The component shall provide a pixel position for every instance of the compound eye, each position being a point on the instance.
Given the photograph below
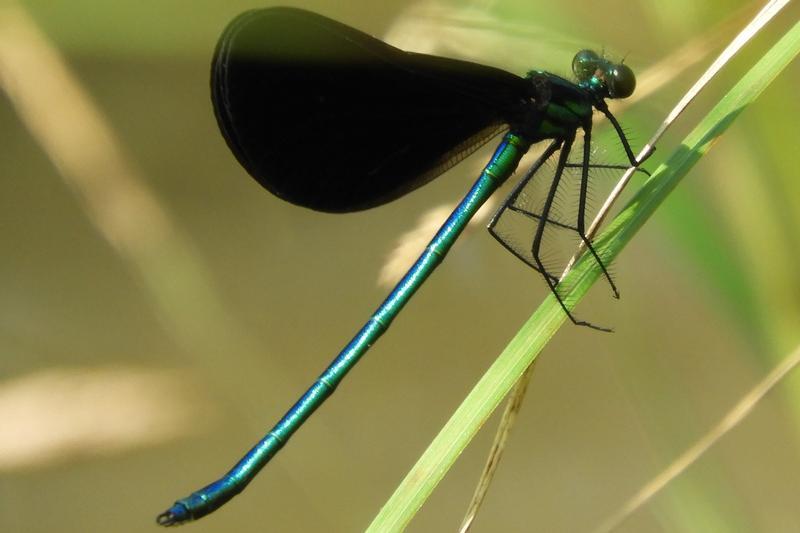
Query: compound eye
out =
(585, 64)
(620, 81)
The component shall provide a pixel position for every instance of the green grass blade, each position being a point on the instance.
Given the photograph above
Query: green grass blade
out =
(542, 325)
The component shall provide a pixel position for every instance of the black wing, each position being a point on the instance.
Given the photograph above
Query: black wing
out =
(327, 117)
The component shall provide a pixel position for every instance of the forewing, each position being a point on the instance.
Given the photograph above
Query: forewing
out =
(327, 117)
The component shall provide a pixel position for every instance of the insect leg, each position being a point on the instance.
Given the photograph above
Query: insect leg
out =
(581, 224)
(537, 240)
(508, 203)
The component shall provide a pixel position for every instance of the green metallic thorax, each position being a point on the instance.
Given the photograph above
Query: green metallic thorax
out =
(564, 107)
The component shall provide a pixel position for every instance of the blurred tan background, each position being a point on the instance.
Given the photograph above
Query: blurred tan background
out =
(160, 310)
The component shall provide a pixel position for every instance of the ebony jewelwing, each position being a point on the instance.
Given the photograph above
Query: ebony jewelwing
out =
(327, 117)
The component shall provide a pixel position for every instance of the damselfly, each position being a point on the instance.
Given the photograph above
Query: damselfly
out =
(327, 117)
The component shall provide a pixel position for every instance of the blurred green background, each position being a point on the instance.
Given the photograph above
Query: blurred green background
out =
(160, 310)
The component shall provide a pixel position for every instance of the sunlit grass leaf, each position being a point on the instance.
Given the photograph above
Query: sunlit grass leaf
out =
(545, 321)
